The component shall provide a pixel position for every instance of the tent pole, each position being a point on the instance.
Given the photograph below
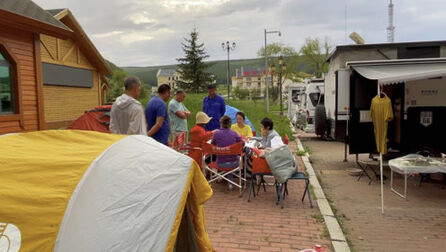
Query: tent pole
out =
(381, 168)
(382, 187)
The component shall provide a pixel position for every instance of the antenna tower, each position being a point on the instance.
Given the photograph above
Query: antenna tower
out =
(390, 28)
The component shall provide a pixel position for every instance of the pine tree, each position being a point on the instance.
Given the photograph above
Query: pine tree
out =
(194, 77)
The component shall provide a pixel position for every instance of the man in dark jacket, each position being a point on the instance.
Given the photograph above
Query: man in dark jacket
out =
(214, 106)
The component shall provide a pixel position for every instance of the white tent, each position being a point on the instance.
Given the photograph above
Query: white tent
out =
(89, 191)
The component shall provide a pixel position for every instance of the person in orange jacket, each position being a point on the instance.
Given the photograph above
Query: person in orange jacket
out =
(198, 136)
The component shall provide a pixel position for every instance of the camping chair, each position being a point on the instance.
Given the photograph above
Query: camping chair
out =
(301, 176)
(180, 141)
(259, 168)
(222, 173)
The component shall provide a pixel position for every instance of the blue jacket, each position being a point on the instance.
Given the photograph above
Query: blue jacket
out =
(214, 108)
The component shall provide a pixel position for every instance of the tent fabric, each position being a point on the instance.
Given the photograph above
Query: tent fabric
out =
(387, 74)
(88, 191)
(96, 119)
(38, 176)
(232, 112)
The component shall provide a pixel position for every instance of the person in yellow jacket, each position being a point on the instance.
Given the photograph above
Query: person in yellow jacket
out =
(243, 129)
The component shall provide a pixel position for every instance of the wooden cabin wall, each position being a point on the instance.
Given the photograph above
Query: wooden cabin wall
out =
(21, 46)
(64, 104)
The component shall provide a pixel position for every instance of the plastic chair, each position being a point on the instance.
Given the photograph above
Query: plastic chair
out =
(222, 173)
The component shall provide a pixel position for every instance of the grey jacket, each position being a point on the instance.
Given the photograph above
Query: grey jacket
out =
(127, 117)
(266, 140)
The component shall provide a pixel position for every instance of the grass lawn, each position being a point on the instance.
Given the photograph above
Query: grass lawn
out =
(254, 110)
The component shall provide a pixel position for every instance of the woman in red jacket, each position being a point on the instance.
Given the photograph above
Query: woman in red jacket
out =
(198, 136)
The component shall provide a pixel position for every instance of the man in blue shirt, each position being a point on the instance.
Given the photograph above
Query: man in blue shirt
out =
(214, 106)
(156, 115)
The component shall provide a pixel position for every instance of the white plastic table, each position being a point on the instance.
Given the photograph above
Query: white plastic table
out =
(412, 164)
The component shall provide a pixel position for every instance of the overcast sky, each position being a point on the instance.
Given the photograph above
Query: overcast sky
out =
(149, 32)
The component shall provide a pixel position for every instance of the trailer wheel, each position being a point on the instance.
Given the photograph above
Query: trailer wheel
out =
(320, 120)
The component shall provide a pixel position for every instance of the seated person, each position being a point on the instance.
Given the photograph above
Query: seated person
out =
(270, 138)
(198, 136)
(225, 137)
(243, 129)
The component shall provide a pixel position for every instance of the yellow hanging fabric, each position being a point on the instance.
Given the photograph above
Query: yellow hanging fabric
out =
(381, 112)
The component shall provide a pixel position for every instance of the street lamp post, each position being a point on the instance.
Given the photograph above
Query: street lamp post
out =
(266, 67)
(228, 47)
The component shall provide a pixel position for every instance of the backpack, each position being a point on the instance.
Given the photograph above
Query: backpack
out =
(281, 163)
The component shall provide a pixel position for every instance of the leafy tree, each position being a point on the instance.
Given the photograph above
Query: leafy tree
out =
(274, 93)
(241, 93)
(316, 52)
(117, 85)
(290, 59)
(192, 68)
(255, 93)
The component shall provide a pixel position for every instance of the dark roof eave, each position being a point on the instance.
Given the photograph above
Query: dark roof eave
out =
(33, 25)
(385, 45)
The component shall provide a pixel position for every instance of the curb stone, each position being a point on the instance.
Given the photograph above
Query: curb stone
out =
(334, 229)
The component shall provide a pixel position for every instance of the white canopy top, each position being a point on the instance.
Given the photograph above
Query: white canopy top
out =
(395, 73)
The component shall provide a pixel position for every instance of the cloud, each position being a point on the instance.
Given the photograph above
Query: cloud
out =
(142, 32)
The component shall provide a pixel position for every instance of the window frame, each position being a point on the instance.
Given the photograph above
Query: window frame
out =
(17, 109)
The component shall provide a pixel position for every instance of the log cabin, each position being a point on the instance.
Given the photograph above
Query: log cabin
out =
(50, 71)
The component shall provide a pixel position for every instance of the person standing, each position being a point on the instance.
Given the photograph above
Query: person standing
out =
(214, 106)
(178, 114)
(127, 115)
(156, 115)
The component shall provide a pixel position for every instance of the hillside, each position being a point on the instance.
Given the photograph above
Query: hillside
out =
(112, 66)
(148, 74)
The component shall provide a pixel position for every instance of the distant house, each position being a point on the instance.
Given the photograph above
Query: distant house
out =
(50, 72)
(168, 76)
(249, 77)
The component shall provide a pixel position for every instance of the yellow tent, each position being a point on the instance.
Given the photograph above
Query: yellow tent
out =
(68, 190)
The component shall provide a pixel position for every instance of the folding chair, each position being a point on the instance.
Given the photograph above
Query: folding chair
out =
(259, 168)
(179, 141)
(301, 176)
(222, 173)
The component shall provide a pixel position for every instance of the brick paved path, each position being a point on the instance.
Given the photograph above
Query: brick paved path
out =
(234, 224)
(418, 224)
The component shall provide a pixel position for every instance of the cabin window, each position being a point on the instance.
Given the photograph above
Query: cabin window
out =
(59, 75)
(6, 85)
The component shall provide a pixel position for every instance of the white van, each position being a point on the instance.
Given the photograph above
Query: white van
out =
(314, 95)
(296, 104)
